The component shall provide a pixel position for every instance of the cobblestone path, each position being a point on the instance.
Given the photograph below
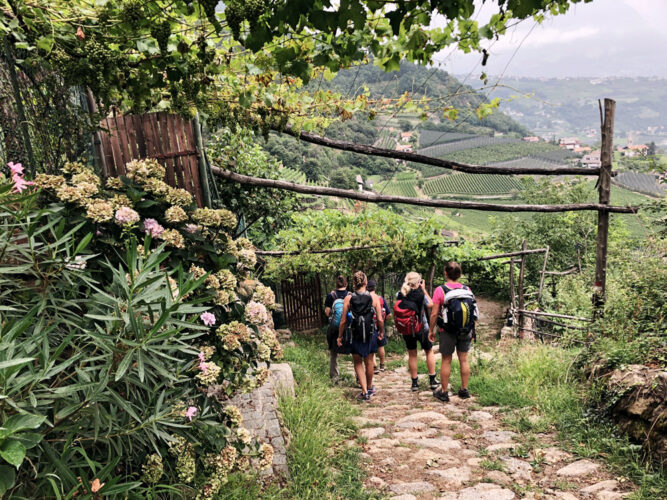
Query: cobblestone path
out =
(417, 447)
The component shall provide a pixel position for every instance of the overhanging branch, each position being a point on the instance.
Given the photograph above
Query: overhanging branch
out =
(378, 198)
(365, 149)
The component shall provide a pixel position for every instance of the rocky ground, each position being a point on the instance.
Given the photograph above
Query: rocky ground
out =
(417, 447)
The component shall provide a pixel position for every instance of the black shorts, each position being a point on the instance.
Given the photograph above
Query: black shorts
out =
(450, 341)
(411, 341)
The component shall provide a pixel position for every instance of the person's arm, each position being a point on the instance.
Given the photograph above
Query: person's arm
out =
(343, 321)
(429, 300)
(380, 321)
(327, 311)
(327, 305)
(435, 311)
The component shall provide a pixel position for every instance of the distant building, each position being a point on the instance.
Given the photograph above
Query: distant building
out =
(406, 148)
(633, 150)
(582, 149)
(569, 143)
(591, 160)
(531, 138)
(360, 182)
(405, 136)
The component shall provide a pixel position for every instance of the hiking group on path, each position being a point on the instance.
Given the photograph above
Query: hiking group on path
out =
(357, 327)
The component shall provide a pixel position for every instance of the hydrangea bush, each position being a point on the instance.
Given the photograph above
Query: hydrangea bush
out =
(165, 322)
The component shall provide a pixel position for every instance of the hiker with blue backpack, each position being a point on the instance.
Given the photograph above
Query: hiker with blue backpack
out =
(333, 309)
(411, 321)
(454, 314)
(361, 326)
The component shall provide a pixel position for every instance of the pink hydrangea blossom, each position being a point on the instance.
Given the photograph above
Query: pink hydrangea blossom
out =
(152, 227)
(191, 412)
(125, 215)
(192, 228)
(208, 318)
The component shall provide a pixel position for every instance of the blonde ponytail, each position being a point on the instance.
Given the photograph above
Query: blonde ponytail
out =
(411, 279)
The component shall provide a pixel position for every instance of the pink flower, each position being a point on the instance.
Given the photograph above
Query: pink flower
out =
(20, 183)
(208, 318)
(202, 362)
(125, 215)
(191, 412)
(152, 227)
(192, 228)
(16, 168)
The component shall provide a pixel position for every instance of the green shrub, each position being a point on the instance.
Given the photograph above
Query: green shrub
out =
(110, 382)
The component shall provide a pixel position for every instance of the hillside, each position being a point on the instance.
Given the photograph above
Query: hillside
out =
(319, 163)
(568, 106)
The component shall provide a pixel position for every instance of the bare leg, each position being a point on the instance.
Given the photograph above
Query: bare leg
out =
(445, 370)
(430, 361)
(359, 370)
(369, 361)
(381, 354)
(412, 362)
(465, 368)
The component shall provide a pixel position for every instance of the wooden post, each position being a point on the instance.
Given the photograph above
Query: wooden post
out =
(512, 294)
(20, 110)
(604, 189)
(522, 271)
(203, 166)
(544, 269)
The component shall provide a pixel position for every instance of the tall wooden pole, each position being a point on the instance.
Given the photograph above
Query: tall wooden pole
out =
(203, 165)
(544, 270)
(604, 189)
(522, 303)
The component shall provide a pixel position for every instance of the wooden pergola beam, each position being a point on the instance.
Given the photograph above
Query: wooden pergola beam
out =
(366, 149)
(513, 254)
(379, 198)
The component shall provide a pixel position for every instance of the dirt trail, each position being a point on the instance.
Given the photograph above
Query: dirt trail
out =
(417, 447)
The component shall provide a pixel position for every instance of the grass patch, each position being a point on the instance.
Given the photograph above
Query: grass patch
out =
(492, 465)
(534, 376)
(321, 465)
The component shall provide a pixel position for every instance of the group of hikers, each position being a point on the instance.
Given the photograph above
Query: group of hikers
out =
(357, 326)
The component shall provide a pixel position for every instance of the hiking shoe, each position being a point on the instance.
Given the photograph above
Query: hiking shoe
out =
(372, 391)
(376, 370)
(433, 383)
(363, 397)
(382, 368)
(464, 393)
(415, 385)
(442, 396)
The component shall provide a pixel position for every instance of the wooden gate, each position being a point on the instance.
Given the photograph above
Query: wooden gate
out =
(302, 300)
(168, 138)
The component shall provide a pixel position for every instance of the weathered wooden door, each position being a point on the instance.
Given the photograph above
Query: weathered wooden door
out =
(302, 300)
(167, 138)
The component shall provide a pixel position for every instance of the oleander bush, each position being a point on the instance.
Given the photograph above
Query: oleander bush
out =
(128, 318)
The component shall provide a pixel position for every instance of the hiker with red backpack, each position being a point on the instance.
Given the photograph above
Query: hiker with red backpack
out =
(333, 309)
(386, 311)
(454, 314)
(361, 315)
(410, 319)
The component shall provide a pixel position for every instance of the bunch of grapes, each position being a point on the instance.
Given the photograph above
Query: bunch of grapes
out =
(161, 33)
(132, 13)
(209, 8)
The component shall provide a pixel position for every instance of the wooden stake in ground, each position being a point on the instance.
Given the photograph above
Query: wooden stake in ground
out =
(604, 189)
(544, 268)
(522, 271)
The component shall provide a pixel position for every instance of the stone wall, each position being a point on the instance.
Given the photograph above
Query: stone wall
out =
(639, 406)
(262, 418)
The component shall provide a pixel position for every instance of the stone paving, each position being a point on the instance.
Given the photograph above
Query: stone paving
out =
(415, 447)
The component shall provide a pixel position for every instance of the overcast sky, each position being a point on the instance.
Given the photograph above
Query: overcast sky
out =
(602, 38)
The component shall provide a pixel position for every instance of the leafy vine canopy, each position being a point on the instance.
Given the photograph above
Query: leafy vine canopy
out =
(246, 61)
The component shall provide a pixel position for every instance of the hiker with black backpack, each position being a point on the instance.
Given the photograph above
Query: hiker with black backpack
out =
(371, 287)
(454, 314)
(361, 315)
(333, 309)
(411, 321)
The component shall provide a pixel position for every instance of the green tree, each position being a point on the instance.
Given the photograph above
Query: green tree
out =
(343, 178)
